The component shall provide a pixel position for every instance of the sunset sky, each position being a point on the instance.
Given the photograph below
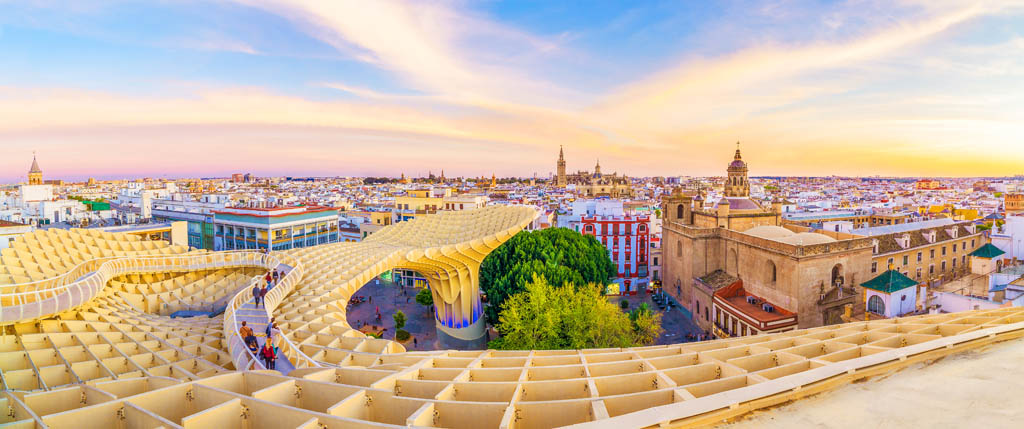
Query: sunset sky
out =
(113, 89)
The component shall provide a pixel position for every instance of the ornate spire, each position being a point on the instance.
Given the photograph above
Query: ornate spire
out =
(35, 165)
(737, 157)
(561, 154)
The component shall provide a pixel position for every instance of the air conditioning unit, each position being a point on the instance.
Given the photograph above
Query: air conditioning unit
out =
(751, 300)
(767, 308)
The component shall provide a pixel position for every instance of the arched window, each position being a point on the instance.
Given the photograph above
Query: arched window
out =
(589, 229)
(679, 211)
(876, 305)
(773, 273)
(837, 274)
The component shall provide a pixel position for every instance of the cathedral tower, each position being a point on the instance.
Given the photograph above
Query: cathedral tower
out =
(737, 185)
(35, 174)
(560, 178)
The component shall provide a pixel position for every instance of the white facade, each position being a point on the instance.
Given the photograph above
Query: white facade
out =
(1010, 238)
(895, 304)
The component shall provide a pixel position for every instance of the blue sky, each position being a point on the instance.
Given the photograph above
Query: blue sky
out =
(652, 88)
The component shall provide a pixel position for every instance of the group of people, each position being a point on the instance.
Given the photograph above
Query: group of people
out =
(260, 293)
(698, 337)
(268, 353)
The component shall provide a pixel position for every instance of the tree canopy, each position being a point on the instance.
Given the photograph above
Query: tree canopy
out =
(545, 317)
(424, 297)
(560, 255)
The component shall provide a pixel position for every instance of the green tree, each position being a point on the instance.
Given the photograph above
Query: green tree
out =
(424, 297)
(560, 255)
(399, 317)
(646, 325)
(546, 317)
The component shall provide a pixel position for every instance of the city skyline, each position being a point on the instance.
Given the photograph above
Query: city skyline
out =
(111, 89)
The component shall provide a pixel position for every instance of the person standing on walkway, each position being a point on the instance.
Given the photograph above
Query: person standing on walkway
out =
(270, 325)
(274, 330)
(277, 276)
(246, 333)
(256, 294)
(268, 355)
(263, 296)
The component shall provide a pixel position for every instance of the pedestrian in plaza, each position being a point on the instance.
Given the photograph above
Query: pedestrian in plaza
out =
(268, 277)
(263, 296)
(256, 294)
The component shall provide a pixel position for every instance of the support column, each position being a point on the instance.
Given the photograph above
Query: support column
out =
(460, 325)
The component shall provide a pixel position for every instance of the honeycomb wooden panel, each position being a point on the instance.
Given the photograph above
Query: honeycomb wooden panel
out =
(117, 360)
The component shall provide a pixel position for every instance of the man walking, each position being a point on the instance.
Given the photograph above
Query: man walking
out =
(256, 294)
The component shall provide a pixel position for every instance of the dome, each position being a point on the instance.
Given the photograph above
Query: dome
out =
(738, 164)
(807, 239)
(770, 232)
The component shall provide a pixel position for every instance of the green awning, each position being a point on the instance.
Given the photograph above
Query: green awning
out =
(889, 282)
(988, 251)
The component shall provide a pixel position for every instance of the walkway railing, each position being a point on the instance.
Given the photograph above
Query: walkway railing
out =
(35, 300)
(26, 302)
(244, 359)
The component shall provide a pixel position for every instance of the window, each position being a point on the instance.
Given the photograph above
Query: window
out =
(954, 247)
(972, 243)
(943, 266)
(679, 211)
(589, 229)
(889, 264)
(906, 259)
(963, 259)
(932, 254)
(919, 273)
(707, 316)
(655, 261)
(919, 256)
(931, 269)
(876, 305)
(943, 250)
(874, 267)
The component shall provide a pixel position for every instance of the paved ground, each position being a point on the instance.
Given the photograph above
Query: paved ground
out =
(389, 297)
(675, 323)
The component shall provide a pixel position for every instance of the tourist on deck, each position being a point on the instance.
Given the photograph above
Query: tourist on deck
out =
(246, 333)
(257, 294)
(269, 355)
(270, 325)
(273, 330)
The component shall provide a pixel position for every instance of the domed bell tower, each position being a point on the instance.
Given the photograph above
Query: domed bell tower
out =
(737, 185)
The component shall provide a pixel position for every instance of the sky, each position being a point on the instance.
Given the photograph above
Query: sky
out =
(190, 88)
